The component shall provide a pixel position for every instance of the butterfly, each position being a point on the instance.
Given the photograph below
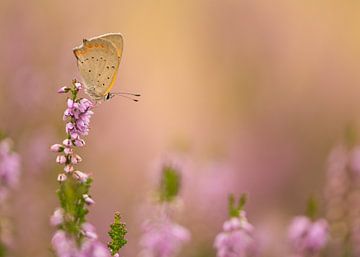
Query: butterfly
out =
(98, 60)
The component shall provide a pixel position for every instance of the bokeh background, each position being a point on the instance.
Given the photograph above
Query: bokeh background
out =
(250, 94)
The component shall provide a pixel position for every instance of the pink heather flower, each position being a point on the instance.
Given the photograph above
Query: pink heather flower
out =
(75, 159)
(306, 236)
(9, 168)
(61, 159)
(79, 142)
(63, 245)
(57, 148)
(88, 199)
(63, 90)
(81, 176)
(68, 150)
(57, 218)
(89, 231)
(78, 85)
(163, 238)
(237, 239)
(67, 142)
(61, 177)
(355, 160)
(81, 114)
(94, 248)
(68, 168)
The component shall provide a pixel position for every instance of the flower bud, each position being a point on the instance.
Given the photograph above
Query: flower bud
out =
(61, 177)
(78, 85)
(88, 200)
(61, 159)
(57, 148)
(58, 217)
(68, 150)
(75, 159)
(81, 176)
(68, 168)
(67, 142)
(63, 90)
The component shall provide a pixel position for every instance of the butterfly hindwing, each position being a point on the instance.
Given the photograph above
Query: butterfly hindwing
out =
(98, 61)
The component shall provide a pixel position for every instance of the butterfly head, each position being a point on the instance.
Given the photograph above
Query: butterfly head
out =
(108, 96)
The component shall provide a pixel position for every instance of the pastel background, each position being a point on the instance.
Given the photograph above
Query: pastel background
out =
(251, 95)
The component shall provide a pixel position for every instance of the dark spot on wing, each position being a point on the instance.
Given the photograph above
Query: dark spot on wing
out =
(89, 70)
(107, 67)
(92, 57)
(99, 74)
(108, 77)
(113, 67)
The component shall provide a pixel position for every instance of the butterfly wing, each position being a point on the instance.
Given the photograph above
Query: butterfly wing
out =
(98, 63)
(117, 40)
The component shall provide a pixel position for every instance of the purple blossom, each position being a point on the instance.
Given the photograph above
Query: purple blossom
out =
(237, 238)
(163, 238)
(57, 218)
(65, 246)
(9, 168)
(306, 236)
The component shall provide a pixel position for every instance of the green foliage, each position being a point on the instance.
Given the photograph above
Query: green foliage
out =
(170, 183)
(234, 210)
(2, 136)
(71, 199)
(117, 234)
(350, 135)
(3, 251)
(312, 207)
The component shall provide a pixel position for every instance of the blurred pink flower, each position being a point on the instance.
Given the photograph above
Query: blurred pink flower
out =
(65, 246)
(306, 236)
(163, 238)
(237, 238)
(9, 168)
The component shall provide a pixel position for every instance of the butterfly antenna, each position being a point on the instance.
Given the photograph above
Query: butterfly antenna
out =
(127, 93)
(128, 97)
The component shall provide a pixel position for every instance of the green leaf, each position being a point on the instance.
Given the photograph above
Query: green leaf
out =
(234, 211)
(312, 207)
(71, 199)
(117, 234)
(170, 183)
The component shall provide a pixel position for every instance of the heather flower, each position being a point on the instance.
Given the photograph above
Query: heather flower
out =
(307, 237)
(342, 191)
(65, 246)
(163, 238)
(75, 237)
(57, 218)
(9, 168)
(237, 238)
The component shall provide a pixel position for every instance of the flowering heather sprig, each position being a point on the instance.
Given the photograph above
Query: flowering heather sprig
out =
(162, 237)
(342, 195)
(74, 237)
(237, 237)
(9, 179)
(9, 168)
(307, 237)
